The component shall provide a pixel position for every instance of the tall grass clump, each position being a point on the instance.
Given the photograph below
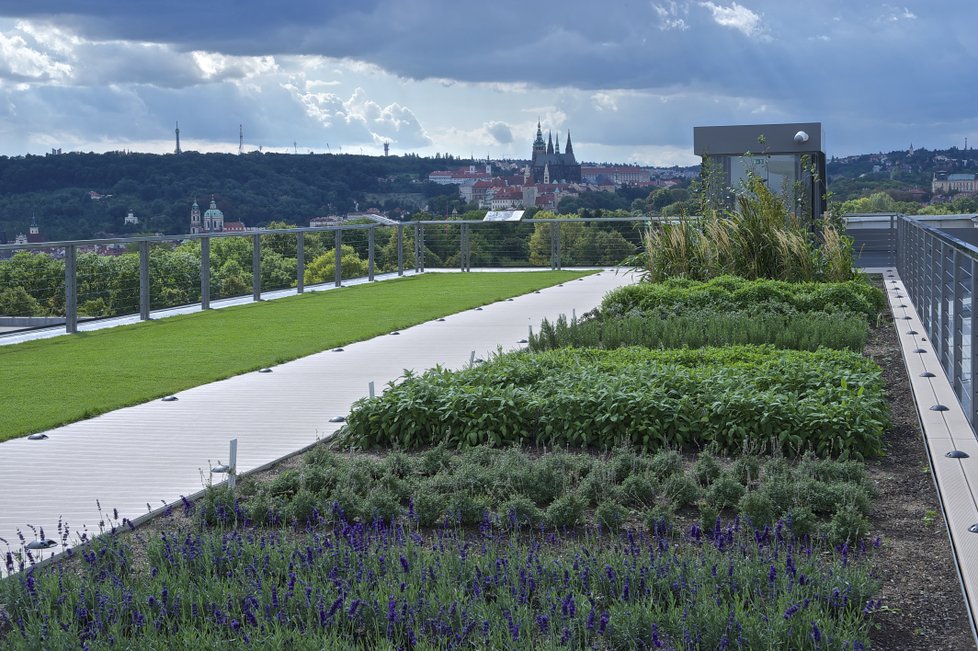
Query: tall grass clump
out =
(762, 238)
(699, 328)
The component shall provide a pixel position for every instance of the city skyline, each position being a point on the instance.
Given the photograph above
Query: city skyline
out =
(631, 79)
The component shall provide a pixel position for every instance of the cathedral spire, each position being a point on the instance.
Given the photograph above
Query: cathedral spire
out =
(557, 144)
(550, 142)
(568, 148)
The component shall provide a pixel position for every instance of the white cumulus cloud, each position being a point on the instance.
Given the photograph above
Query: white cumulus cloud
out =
(736, 16)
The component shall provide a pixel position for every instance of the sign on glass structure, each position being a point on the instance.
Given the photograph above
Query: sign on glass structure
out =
(788, 157)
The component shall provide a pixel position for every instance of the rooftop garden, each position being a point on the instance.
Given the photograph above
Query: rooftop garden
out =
(646, 477)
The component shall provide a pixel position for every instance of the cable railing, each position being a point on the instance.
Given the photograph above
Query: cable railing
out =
(64, 283)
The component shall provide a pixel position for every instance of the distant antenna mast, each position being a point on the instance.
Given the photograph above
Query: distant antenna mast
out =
(328, 149)
(295, 147)
(240, 139)
(387, 148)
(177, 150)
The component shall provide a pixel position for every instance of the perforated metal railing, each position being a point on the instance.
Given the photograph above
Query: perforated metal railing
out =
(60, 283)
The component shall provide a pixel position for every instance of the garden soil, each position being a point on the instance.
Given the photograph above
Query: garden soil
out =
(923, 606)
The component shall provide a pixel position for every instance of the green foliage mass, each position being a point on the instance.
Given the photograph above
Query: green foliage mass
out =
(828, 401)
(706, 327)
(560, 488)
(732, 293)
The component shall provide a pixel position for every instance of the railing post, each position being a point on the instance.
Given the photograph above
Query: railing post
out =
(337, 246)
(370, 253)
(417, 253)
(143, 280)
(468, 249)
(461, 247)
(421, 245)
(558, 245)
(892, 245)
(256, 267)
(400, 249)
(974, 341)
(935, 271)
(71, 290)
(957, 327)
(553, 248)
(205, 273)
(300, 263)
(938, 310)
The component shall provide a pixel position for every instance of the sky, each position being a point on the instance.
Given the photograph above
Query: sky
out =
(627, 79)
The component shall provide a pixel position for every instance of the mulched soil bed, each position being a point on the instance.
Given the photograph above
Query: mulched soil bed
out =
(924, 606)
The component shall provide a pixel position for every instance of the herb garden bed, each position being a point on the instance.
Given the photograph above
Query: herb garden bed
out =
(535, 548)
(735, 397)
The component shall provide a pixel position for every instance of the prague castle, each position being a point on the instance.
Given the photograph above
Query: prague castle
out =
(549, 165)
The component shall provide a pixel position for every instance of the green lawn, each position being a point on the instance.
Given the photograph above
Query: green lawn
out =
(55, 381)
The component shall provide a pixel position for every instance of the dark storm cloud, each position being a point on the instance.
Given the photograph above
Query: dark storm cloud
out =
(872, 71)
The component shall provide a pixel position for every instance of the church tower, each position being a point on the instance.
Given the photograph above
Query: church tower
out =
(550, 143)
(539, 147)
(568, 148)
(195, 217)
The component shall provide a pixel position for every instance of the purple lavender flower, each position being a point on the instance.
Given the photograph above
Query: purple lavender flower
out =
(543, 622)
(603, 624)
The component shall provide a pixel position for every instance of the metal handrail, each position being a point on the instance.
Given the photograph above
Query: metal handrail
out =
(142, 244)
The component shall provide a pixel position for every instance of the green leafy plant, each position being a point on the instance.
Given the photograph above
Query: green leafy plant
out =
(738, 397)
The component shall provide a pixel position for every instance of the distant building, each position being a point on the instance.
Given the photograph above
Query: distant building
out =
(462, 176)
(944, 183)
(235, 227)
(616, 174)
(549, 165)
(212, 222)
(34, 235)
(130, 219)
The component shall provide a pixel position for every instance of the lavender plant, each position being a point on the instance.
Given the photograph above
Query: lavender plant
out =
(380, 586)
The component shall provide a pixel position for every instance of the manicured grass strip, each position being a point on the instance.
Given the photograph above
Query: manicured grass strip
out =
(377, 587)
(705, 327)
(727, 293)
(831, 402)
(55, 381)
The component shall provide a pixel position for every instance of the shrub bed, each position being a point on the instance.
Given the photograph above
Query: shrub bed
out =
(732, 293)
(706, 327)
(380, 586)
(559, 489)
(831, 402)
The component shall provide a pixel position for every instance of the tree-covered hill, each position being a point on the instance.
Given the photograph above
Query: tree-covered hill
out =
(253, 188)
